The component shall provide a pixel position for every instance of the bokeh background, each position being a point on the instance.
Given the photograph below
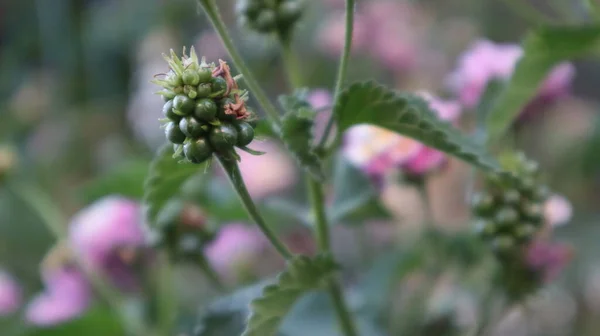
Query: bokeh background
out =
(77, 109)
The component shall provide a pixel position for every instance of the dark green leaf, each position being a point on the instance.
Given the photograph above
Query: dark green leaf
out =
(94, 323)
(165, 179)
(302, 275)
(297, 134)
(355, 199)
(543, 49)
(126, 180)
(411, 116)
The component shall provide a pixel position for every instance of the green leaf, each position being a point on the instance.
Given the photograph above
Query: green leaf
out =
(297, 133)
(94, 323)
(126, 180)
(411, 116)
(165, 179)
(543, 49)
(303, 274)
(354, 198)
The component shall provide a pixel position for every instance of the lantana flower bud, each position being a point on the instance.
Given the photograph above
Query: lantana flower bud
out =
(265, 16)
(205, 110)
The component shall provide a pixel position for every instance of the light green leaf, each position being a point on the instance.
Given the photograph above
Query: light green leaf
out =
(302, 275)
(543, 49)
(297, 133)
(411, 116)
(354, 198)
(165, 179)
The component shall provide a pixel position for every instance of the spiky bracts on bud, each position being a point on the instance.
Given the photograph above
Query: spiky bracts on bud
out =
(510, 215)
(205, 110)
(270, 16)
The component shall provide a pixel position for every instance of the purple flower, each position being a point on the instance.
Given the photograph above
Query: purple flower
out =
(548, 258)
(66, 297)
(10, 294)
(557, 210)
(486, 61)
(108, 235)
(236, 245)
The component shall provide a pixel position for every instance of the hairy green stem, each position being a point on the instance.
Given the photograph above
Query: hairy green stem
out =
(343, 67)
(235, 176)
(41, 204)
(212, 11)
(341, 308)
(211, 274)
(317, 201)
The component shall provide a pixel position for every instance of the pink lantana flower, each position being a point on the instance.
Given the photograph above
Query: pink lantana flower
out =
(486, 61)
(557, 211)
(236, 245)
(67, 296)
(548, 258)
(10, 294)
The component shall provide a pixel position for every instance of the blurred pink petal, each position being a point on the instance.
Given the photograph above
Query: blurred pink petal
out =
(320, 99)
(548, 258)
(557, 210)
(269, 173)
(426, 161)
(10, 294)
(66, 297)
(558, 82)
(97, 231)
(235, 244)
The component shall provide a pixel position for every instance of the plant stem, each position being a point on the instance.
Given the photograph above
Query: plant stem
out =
(339, 303)
(212, 11)
(317, 201)
(41, 204)
(233, 172)
(290, 62)
(211, 274)
(343, 66)
(428, 221)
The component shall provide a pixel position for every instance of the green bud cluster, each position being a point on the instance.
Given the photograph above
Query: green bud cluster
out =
(205, 112)
(510, 211)
(183, 230)
(270, 16)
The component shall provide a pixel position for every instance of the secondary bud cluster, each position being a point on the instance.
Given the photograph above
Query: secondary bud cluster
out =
(182, 229)
(270, 16)
(205, 111)
(511, 211)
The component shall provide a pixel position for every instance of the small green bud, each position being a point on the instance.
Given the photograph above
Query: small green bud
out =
(205, 76)
(248, 7)
(168, 112)
(223, 137)
(290, 11)
(525, 232)
(174, 79)
(192, 128)
(503, 244)
(534, 212)
(245, 134)
(219, 85)
(191, 77)
(203, 90)
(483, 203)
(190, 91)
(183, 105)
(205, 109)
(197, 151)
(221, 110)
(512, 197)
(507, 217)
(174, 134)
(265, 21)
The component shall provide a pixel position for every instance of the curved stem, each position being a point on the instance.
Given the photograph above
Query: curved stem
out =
(42, 205)
(212, 11)
(317, 201)
(233, 172)
(343, 66)
(346, 322)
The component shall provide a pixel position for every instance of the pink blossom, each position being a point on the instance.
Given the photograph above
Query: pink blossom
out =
(98, 231)
(557, 210)
(332, 35)
(548, 258)
(236, 244)
(486, 61)
(269, 173)
(10, 294)
(320, 99)
(66, 297)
